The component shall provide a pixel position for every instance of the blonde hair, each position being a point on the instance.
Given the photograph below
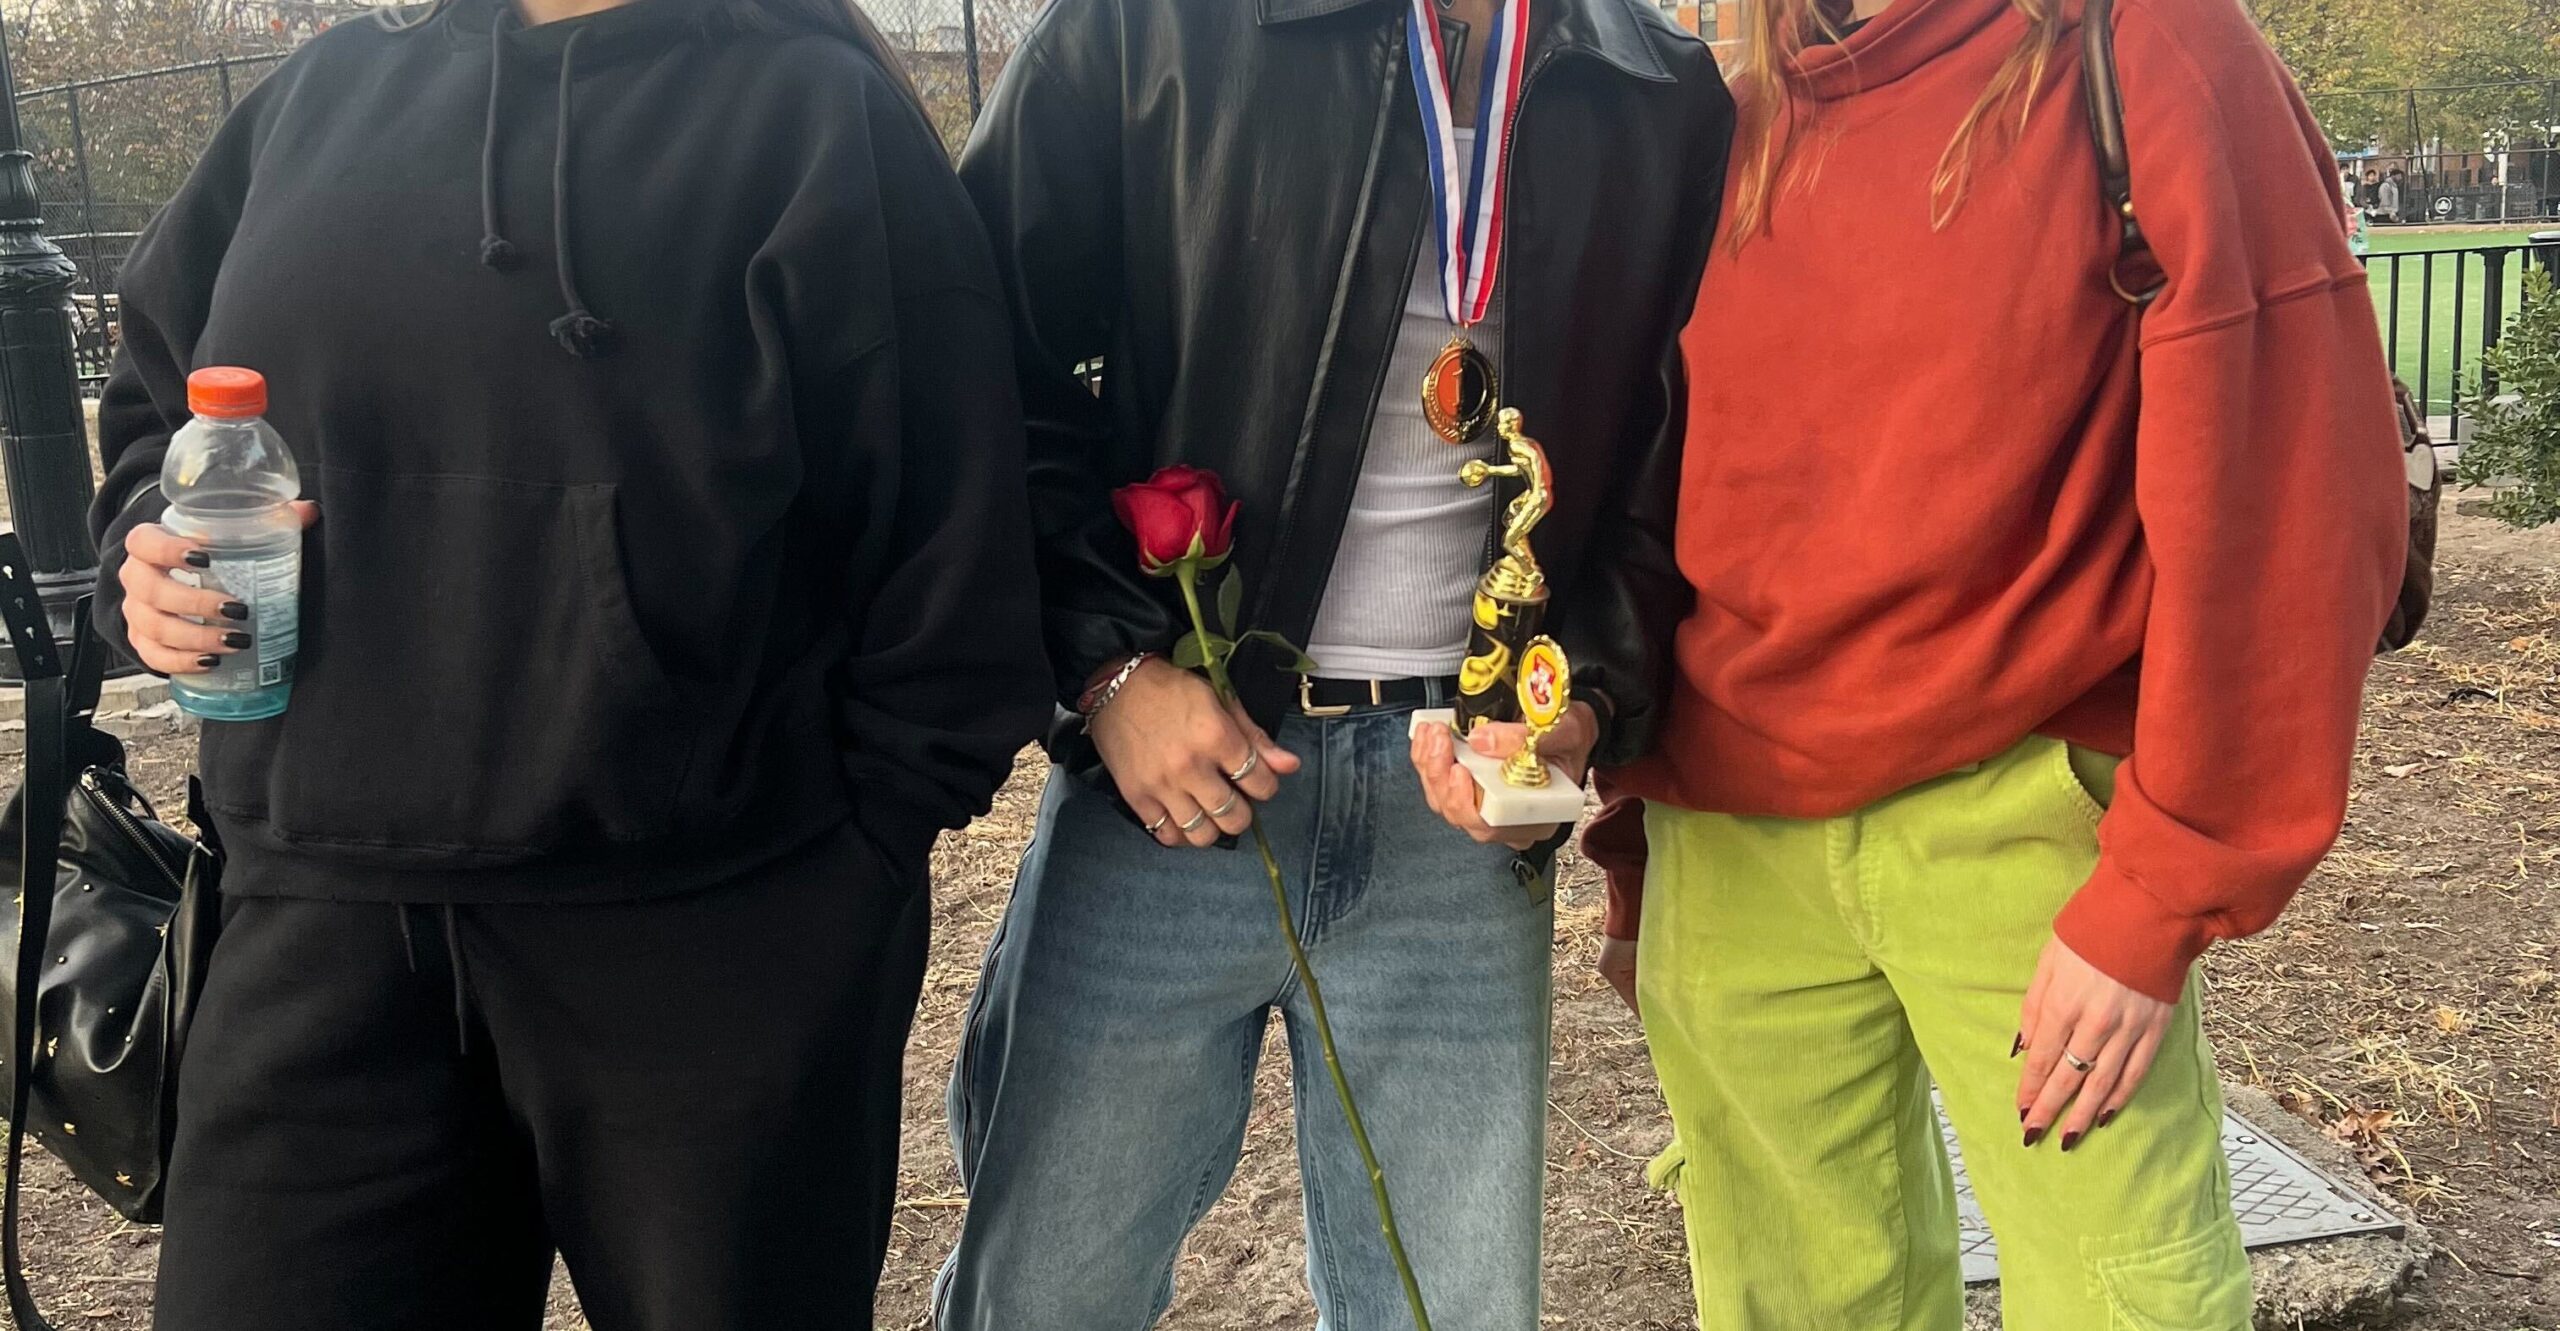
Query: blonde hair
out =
(1773, 113)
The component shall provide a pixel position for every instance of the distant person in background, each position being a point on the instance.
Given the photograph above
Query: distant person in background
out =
(2369, 197)
(2387, 199)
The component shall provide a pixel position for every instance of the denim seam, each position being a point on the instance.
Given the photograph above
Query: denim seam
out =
(1319, 1234)
(1204, 1194)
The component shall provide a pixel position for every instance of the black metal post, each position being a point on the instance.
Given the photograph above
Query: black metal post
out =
(969, 46)
(2493, 315)
(44, 443)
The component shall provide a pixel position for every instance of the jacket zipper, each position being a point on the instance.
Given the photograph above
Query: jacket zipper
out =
(1287, 529)
(96, 793)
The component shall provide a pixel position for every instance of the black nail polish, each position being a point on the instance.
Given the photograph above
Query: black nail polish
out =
(234, 610)
(208, 662)
(199, 559)
(2069, 1140)
(235, 640)
(2106, 1118)
(2034, 1135)
(2022, 1115)
(2016, 1044)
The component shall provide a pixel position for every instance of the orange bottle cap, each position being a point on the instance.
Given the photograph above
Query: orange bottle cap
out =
(227, 390)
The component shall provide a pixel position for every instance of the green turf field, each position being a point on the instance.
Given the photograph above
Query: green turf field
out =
(2429, 301)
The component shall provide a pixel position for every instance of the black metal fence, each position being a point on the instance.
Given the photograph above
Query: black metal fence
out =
(2441, 308)
(107, 153)
(2477, 152)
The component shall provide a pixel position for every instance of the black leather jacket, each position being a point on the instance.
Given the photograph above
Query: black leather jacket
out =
(1222, 201)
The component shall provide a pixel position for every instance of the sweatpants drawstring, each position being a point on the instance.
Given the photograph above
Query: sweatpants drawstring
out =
(453, 963)
(408, 940)
(461, 1006)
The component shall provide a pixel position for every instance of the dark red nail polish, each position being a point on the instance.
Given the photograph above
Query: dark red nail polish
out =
(2106, 1118)
(235, 641)
(199, 559)
(208, 662)
(2034, 1135)
(2016, 1044)
(2022, 1115)
(2069, 1140)
(234, 610)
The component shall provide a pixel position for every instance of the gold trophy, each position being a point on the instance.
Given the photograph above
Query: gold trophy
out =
(1513, 672)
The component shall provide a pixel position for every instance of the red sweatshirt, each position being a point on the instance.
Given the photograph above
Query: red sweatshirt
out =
(1941, 492)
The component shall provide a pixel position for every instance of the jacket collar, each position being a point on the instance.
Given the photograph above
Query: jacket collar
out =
(1610, 30)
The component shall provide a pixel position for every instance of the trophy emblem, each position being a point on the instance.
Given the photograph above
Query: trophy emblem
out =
(1513, 672)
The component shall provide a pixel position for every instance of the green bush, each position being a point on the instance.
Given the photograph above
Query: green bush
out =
(2516, 445)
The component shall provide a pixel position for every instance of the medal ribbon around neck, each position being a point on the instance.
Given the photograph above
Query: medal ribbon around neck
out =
(1458, 393)
(1467, 210)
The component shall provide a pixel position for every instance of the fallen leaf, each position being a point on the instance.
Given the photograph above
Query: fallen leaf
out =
(2402, 769)
(2451, 1022)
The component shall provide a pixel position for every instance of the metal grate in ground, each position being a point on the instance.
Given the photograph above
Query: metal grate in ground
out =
(2280, 1198)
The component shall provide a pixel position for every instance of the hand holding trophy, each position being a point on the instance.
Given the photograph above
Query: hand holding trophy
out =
(1513, 672)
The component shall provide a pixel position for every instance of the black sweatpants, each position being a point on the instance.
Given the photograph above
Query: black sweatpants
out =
(694, 1100)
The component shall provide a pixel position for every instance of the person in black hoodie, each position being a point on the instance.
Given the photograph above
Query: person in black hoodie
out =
(671, 588)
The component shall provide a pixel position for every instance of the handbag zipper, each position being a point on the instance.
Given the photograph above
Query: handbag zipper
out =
(96, 791)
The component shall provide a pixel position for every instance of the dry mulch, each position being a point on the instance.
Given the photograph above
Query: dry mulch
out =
(2408, 1003)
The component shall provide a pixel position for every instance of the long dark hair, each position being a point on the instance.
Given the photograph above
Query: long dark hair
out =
(836, 18)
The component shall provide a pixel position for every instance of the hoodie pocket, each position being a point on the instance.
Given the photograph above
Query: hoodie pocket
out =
(473, 682)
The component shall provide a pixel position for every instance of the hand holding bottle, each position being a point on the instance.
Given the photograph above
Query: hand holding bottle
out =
(176, 629)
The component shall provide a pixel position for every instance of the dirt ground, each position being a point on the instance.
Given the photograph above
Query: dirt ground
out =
(2409, 1003)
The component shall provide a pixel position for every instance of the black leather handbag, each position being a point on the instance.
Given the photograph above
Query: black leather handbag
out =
(115, 921)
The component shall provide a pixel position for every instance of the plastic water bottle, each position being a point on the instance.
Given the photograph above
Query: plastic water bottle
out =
(230, 485)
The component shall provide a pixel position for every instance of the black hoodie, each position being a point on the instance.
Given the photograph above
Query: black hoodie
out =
(652, 377)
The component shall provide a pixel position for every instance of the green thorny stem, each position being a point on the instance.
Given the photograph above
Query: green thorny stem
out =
(1188, 573)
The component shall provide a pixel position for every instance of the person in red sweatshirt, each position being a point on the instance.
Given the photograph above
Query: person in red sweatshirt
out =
(2025, 663)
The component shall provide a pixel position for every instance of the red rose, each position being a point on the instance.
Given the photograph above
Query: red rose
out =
(1179, 513)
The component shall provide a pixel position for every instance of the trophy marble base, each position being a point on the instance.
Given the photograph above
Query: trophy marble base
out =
(1504, 804)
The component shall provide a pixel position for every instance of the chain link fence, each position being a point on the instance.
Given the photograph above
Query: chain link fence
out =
(109, 151)
(2482, 152)
(954, 49)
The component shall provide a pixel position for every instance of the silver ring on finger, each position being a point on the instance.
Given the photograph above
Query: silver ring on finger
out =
(1158, 824)
(1229, 807)
(1252, 764)
(1192, 822)
(2078, 1064)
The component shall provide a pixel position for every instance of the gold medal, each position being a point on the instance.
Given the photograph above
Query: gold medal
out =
(1458, 392)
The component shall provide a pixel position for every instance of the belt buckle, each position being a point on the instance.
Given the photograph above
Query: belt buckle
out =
(1307, 700)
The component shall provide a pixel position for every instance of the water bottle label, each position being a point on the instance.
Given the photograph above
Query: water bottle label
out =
(268, 586)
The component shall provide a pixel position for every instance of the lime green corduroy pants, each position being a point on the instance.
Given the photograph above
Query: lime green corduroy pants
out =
(1804, 981)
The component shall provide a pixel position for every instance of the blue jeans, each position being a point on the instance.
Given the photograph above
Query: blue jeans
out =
(1107, 1069)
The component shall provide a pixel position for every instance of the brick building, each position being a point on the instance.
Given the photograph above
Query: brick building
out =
(1719, 21)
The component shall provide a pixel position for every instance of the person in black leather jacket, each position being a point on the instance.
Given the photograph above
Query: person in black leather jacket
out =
(1228, 207)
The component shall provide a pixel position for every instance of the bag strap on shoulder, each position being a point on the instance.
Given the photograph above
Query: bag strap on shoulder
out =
(2135, 275)
(49, 707)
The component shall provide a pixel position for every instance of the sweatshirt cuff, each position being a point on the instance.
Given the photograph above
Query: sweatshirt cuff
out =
(106, 605)
(1615, 842)
(2118, 926)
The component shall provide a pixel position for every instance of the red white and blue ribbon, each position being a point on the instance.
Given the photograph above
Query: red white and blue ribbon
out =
(1468, 221)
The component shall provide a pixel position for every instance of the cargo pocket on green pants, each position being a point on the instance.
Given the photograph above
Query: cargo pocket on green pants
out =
(2197, 1283)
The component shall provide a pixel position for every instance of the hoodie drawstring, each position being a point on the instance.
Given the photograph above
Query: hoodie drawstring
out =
(579, 331)
(496, 251)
